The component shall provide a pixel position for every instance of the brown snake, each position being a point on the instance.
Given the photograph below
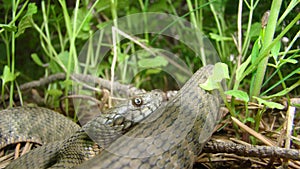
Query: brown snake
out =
(168, 136)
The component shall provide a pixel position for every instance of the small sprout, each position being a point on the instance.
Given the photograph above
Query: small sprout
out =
(272, 105)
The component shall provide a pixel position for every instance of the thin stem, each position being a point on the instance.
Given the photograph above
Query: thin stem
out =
(192, 14)
(288, 10)
(270, 30)
(11, 92)
(239, 26)
(198, 26)
(221, 49)
(247, 35)
(86, 17)
(45, 18)
(115, 42)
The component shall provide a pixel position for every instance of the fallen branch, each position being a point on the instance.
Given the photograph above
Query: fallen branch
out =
(126, 89)
(251, 151)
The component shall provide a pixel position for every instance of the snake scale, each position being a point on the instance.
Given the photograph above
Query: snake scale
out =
(142, 133)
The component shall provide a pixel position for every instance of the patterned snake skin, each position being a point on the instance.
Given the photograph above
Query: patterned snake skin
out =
(146, 135)
(68, 144)
(172, 136)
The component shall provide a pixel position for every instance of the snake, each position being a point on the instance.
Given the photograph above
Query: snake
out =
(144, 132)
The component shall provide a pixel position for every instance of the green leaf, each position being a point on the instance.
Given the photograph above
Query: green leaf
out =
(220, 72)
(238, 94)
(285, 91)
(8, 76)
(153, 71)
(255, 29)
(219, 38)
(272, 105)
(289, 60)
(122, 57)
(64, 58)
(209, 85)
(25, 22)
(23, 25)
(32, 9)
(54, 67)
(250, 119)
(255, 50)
(275, 50)
(281, 93)
(37, 60)
(240, 70)
(86, 27)
(67, 82)
(157, 61)
(55, 92)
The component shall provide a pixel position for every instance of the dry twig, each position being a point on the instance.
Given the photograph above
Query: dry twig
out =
(251, 151)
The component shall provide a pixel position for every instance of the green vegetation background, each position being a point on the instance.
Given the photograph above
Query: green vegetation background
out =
(256, 40)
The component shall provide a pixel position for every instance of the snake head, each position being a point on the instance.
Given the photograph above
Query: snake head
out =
(141, 106)
(132, 111)
(108, 126)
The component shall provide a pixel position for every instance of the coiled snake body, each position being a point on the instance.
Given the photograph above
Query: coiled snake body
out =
(137, 134)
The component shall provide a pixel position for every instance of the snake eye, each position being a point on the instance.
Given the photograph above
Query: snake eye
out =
(137, 101)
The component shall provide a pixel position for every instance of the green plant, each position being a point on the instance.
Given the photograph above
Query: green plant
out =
(9, 35)
(256, 46)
